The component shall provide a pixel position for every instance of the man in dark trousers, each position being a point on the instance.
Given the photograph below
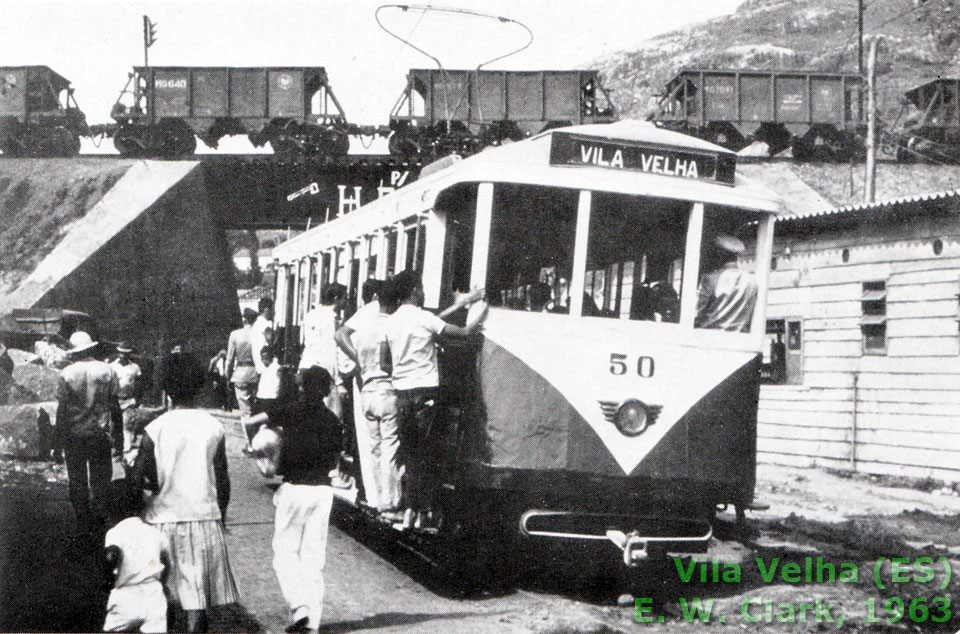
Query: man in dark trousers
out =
(88, 419)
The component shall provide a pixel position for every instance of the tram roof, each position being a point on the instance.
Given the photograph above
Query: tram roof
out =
(529, 162)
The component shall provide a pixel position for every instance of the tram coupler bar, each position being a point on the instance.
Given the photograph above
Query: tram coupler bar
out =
(621, 530)
(635, 546)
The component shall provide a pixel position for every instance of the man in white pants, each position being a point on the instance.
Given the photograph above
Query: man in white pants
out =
(364, 340)
(310, 446)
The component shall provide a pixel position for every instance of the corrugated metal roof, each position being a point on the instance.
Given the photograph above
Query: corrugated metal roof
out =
(916, 198)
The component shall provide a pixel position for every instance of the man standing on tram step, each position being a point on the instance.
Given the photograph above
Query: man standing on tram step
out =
(88, 419)
(261, 332)
(241, 368)
(412, 336)
(309, 449)
(319, 347)
(727, 294)
(363, 339)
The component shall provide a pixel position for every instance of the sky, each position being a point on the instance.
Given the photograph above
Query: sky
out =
(95, 43)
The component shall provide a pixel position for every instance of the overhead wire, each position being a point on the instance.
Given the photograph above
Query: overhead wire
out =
(447, 78)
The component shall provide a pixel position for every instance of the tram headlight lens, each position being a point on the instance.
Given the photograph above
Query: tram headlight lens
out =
(631, 418)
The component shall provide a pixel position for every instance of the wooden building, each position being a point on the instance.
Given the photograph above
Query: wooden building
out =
(863, 317)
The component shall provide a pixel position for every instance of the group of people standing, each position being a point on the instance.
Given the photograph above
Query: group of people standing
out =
(390, 347)
(168, 556)
(394, 342)
(168, 552)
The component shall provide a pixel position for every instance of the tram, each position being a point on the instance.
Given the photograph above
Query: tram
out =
(591, 407)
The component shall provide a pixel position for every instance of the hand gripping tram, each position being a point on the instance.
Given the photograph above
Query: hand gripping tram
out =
(592, 407)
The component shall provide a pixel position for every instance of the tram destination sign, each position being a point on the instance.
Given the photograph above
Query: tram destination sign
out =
(583, 151)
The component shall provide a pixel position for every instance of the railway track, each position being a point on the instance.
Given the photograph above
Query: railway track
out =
(384, 159)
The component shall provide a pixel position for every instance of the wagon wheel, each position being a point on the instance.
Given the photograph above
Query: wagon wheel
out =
(286, 146)
(821, 143)
(127, 142)
(327, 142)
(339, 142)
(45, 144)
(11, 147)
(802, 150)
(172, 141)
(402, 143)
(725, 135)
(65, 142)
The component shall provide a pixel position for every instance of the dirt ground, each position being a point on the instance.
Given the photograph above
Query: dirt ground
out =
(376, 586)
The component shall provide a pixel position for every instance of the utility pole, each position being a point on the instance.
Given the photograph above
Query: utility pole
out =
(870, 176)
(860, 36)
(149, 37)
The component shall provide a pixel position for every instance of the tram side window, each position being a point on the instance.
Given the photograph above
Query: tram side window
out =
(458, 207)
(416, 247)
(635, 258)
(532, 236)
(727, 290)
(391, 253)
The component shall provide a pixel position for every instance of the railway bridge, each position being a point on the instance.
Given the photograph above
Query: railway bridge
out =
(141, 245)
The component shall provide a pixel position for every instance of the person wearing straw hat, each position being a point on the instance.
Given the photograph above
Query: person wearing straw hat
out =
(129, 377)
(727, 294)
(88, 417)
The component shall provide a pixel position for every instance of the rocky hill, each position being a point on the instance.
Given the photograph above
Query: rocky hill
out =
(922, 42)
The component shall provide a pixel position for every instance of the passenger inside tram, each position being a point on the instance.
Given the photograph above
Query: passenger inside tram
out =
(727, 294)
(539, 297)
(635, 257)
(524, 264)
(727, 289)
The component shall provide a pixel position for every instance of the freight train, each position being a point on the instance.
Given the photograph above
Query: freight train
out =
(458, 111)
(38, 113)
(293, 109)
(820, 116)
(163, 110)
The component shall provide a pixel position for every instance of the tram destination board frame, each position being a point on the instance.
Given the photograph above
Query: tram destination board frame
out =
(573, 150)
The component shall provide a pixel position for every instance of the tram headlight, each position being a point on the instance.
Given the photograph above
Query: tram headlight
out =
(631, 418)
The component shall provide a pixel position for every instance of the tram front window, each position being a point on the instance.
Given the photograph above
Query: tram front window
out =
(727, 291)
(532, 235)
(635, 258)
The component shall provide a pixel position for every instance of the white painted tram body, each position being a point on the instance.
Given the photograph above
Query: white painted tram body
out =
(605, 414)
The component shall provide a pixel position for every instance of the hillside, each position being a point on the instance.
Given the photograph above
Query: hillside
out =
(921, 36)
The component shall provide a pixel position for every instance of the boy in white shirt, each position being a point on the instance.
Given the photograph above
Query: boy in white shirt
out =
(133, 555)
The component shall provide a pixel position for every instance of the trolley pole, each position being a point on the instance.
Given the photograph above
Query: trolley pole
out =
(870, 176)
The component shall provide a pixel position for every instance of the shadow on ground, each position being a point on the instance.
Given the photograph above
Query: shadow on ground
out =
(48, 576)
(391, 619)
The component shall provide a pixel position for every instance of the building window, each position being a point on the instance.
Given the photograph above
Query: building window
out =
(873, 323)
(783, 355)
